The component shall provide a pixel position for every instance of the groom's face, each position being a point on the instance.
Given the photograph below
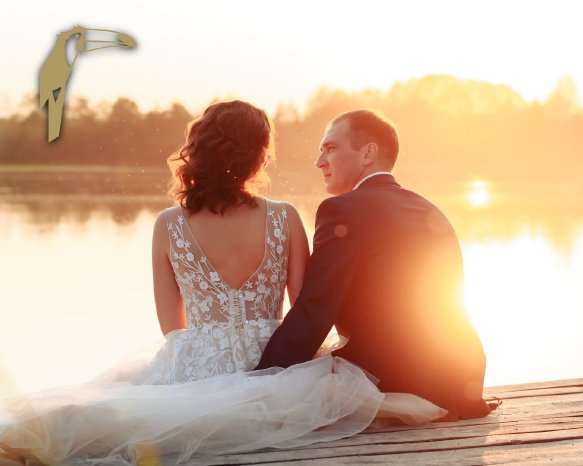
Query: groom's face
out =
(340, 163)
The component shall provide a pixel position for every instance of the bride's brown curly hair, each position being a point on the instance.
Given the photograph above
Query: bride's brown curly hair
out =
(224, 154)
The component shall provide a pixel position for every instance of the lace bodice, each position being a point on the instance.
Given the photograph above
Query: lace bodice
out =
(207, 297)
(227, 328)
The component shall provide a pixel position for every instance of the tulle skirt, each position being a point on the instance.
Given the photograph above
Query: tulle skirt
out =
(123, 424)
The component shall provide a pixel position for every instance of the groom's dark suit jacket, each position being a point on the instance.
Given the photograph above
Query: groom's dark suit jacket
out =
(386, 269)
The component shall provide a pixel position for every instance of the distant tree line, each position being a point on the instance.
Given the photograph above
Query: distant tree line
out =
(449, 128)
(116, 135)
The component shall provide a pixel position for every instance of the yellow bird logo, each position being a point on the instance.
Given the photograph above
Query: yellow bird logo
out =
(56, 70)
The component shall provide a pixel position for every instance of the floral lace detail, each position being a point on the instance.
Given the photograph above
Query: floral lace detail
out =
(227, 328)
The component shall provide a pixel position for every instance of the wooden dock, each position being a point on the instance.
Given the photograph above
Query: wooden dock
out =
(539, 423)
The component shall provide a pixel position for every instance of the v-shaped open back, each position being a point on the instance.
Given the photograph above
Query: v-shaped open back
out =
(202, 253)
(207, 298)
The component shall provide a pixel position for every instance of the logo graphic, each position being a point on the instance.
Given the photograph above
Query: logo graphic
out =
(56, 70)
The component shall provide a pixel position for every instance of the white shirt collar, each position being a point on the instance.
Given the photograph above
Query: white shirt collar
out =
(370, 176)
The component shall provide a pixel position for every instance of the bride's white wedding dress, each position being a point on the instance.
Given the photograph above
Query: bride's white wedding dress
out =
(197, 396)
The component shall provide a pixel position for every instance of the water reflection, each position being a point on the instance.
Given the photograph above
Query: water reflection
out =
(525, 299)
(479, 209)
(53, 194)
(76, 293)
(74, 300)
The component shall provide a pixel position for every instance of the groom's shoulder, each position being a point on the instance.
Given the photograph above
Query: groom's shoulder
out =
(341, 205)
(353, 199)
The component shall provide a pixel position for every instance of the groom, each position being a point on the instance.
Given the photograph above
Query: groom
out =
(386, 269)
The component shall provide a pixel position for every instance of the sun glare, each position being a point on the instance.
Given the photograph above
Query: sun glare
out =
(519, 295)
(479, 194)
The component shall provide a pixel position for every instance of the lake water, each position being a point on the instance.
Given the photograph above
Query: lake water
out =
(76, 289)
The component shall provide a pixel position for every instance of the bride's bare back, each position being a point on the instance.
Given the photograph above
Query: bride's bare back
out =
(233, 242)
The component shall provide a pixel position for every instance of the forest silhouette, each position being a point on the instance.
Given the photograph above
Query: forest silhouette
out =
(448, 128)
(451, 131)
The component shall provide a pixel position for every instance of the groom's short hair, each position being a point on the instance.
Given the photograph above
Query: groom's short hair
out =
(368, 126)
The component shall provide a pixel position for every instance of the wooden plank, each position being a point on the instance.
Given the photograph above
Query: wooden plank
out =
(421, 435)
(509, 417)
(387, 448)
(531, 392)
(535, 386)
(536, 424)
(443, 430)
(563, 453)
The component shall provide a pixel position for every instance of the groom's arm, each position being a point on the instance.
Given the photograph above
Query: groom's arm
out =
(329, 275)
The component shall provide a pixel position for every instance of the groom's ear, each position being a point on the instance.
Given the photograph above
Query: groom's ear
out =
(370, 154)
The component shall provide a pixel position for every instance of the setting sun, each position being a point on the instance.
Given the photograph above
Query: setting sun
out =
(479, 194)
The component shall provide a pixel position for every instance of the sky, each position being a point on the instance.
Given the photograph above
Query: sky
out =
(272, 52)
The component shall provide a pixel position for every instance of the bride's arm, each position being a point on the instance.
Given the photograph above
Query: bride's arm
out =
(169, 306)
(299, 253)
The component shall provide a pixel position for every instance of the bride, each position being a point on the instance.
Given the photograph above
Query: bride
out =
(223, 258)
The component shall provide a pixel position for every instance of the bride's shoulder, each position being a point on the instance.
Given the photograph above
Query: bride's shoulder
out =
(163, 221)
(289, 211)
(292, 222)
(163, 217)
